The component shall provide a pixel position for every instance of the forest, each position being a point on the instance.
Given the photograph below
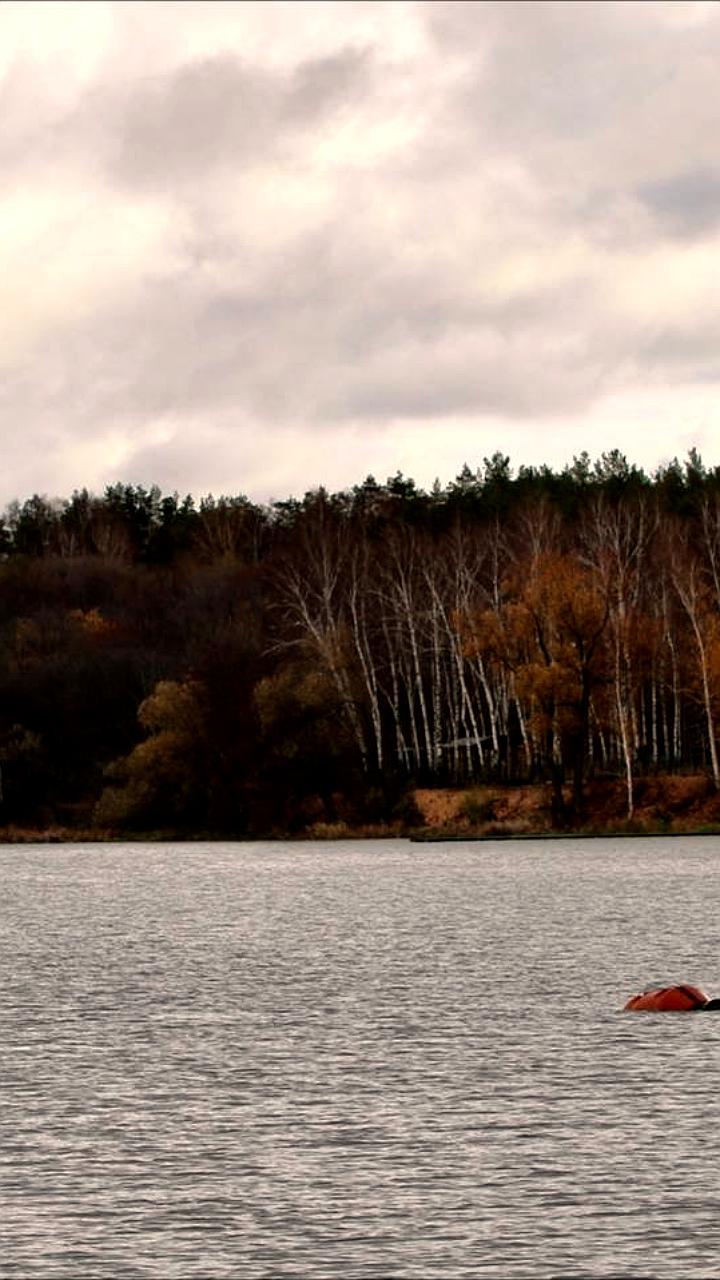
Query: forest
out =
(223, 667)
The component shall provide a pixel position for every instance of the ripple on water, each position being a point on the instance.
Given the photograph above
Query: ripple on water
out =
(367, 1060)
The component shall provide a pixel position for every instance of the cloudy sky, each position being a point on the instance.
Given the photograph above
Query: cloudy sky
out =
(255, 247)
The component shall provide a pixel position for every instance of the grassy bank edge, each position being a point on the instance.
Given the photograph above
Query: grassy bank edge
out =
(667, 805)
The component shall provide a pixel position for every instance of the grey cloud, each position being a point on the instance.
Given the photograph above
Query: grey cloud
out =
(177, 127)
(185, 123)
(690, 347)
(377, 307)
(686, 204)
(221, 112)
(332, 333)
(593, 94)
(537, 67)
(223, 459)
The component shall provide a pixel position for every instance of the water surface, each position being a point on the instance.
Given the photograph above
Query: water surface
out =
(357, 1060)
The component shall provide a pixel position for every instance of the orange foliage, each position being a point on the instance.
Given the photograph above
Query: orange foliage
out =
(92, 623)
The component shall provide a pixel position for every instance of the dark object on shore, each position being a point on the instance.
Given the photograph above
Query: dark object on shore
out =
(680, 999)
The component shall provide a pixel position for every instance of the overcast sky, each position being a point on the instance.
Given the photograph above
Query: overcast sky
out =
(257, 247)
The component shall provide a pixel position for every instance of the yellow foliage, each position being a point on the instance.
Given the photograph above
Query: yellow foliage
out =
(92, 622)
(172, 705)
(552, 611)
(292, 687)
(166, 764)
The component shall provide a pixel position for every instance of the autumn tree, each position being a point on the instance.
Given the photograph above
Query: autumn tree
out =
(163, 781)
(510, 625)
(694, 589)
(614, 541)
(548, 634)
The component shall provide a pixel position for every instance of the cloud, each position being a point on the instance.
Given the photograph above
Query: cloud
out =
(220, 113)
(687, 204)
(236, 237)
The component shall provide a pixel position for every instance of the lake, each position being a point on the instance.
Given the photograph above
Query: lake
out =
(371, 1059)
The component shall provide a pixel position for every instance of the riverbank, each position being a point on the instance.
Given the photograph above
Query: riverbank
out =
(665, 804)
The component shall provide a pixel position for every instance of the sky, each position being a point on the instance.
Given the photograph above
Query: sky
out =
(259, 247)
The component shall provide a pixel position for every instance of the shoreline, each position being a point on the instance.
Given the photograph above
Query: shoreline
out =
(665, 805)
(441, 838)
(424, 836)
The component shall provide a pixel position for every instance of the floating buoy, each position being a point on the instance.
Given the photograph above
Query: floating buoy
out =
(682, 999)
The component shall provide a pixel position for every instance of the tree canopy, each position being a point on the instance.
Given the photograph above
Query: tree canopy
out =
(223, 665)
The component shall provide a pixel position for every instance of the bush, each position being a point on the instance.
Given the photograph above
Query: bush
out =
(478, 807)
(405, 811)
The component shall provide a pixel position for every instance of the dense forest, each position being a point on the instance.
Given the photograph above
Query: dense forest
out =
(232, 668)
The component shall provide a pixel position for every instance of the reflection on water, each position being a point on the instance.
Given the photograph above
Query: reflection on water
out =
(357, 1060)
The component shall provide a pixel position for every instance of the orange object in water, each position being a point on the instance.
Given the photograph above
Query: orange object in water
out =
(683, 999)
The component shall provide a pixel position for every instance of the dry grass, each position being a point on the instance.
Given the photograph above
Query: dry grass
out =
(342, 831)
(53, 835)
(663, 803)
(440, 808)
(485, 810)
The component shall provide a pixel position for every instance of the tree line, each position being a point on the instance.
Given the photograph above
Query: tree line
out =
(232, 667)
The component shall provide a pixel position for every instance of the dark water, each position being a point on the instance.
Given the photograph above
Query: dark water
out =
(357, 1060)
